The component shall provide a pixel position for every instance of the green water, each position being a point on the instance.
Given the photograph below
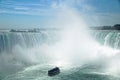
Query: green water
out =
(39, 72)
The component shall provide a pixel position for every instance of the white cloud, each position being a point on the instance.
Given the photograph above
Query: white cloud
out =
(87, 8)
(28, 9)
(21, 8)
(54, 5)
(2, 11)
(41, 12)
(102, 19)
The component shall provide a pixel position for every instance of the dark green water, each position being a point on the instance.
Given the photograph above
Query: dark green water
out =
(39, 72)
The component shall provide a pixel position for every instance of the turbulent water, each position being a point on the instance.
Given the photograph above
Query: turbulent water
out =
(109, 38)
(28, 56)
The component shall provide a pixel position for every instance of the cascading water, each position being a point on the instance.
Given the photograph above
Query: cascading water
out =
(10, 39)
(28, 56)
(20, 49)
(109, 38)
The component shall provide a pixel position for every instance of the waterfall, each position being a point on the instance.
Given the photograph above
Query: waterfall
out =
(21, 49)
(109, 38)
(9, 39)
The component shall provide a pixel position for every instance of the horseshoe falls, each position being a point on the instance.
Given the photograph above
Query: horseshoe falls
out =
(79, 52)
(29, 55)
(108, 38)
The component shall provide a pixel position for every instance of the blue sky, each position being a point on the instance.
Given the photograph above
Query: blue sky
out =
(40, 13)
